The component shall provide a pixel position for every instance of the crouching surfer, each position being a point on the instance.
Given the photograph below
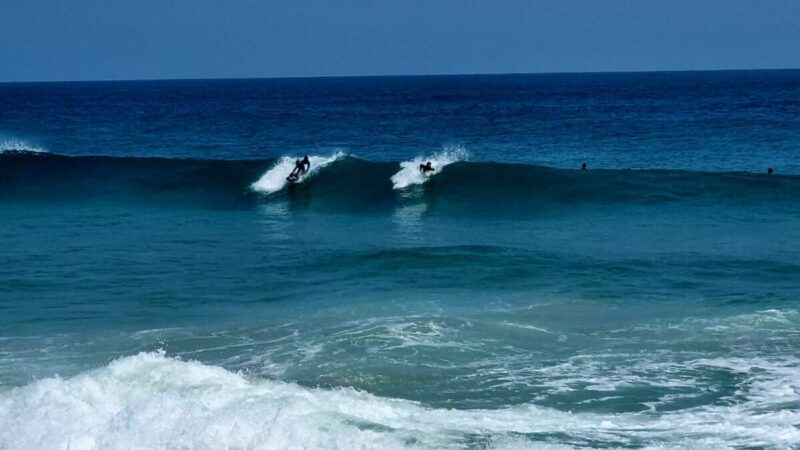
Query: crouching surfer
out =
(425, 168)
(301, 166)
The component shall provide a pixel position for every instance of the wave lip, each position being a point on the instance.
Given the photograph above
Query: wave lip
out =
(274, 179)
(410, 174)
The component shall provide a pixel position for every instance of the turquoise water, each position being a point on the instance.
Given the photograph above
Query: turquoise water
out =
(155, 293)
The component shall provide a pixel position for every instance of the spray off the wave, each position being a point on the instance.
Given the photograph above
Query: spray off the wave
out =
(410, 174)
(18, 146)
(275, 178)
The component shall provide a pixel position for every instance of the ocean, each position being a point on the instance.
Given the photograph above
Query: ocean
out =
(162, 286)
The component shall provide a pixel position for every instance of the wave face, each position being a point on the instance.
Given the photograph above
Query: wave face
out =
(342, 183)
(152, 401)
(49, 177)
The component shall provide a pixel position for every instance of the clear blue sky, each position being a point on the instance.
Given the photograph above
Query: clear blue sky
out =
(134, 39)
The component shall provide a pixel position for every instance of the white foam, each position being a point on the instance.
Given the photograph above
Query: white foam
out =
(14, 145)
(526, 327)
(151, 401)
(770, 381)
(274, 179)
(410, 174)
(767, 321)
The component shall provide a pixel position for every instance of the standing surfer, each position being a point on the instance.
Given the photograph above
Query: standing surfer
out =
(301, 166)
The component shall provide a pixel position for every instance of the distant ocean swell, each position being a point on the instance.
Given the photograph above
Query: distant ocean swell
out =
(346, 183)
(152, 401)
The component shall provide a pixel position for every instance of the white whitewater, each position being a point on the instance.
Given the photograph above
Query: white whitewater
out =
(14, 145)
(274, 179)
(151, 401)
(410, 174)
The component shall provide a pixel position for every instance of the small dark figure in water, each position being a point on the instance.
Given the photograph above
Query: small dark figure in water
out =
(301, 166)
(584, 166)
(425, 168)
(769, 171)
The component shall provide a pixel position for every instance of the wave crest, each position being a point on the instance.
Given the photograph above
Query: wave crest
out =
(18, 146)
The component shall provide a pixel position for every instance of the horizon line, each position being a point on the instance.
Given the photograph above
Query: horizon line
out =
(420, 75)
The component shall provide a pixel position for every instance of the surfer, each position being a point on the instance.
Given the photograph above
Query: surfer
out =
(584, 166)
(425, 168)
(301, 166)
(770, 171)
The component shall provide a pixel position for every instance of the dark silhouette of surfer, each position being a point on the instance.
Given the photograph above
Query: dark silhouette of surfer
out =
(425, 168)
(301, 166)
(770, 171)
(584, 166)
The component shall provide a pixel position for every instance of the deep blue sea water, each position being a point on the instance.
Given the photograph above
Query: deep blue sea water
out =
(163, 286)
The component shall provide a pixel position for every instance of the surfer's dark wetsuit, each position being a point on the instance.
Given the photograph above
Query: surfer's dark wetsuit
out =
(301, 166)
(425, 168)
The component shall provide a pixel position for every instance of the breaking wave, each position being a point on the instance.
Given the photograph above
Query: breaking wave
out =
(150, 400)
(346, 183)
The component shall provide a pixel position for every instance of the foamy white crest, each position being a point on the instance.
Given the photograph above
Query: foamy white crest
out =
(765, 321)
(14, 145)
(155, 402)
(410, 174)
(274, 179)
